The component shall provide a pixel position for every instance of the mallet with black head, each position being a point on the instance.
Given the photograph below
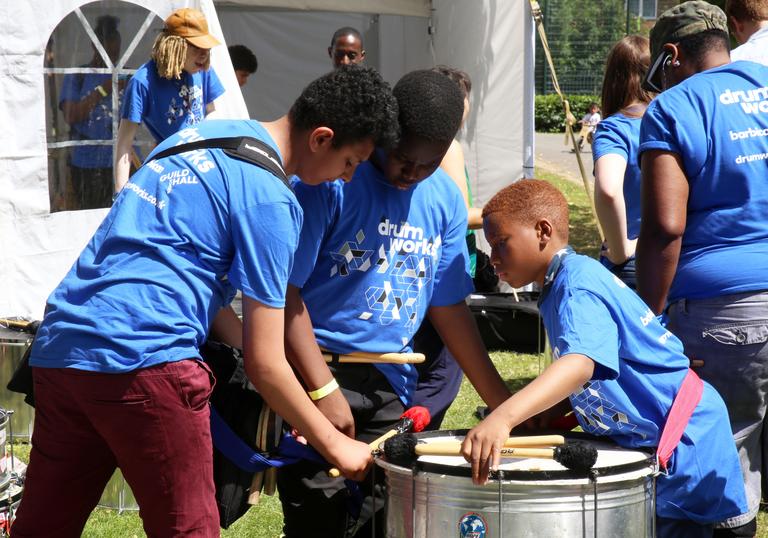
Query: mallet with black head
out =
(403, 450)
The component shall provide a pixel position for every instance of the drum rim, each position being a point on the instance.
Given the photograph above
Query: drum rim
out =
(8, 497)
(542, 474)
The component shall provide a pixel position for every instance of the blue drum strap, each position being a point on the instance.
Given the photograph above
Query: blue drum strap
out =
(238, 452)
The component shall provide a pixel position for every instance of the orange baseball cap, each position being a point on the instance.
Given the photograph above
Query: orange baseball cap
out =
(190, 24)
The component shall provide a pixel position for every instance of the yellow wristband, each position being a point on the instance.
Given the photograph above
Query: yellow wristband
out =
(323, 391)
(101, 90)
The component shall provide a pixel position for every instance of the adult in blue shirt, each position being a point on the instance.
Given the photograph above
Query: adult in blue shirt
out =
(386, 250)
(704, 236)
(175, 89)
(118, 380)
(86, 103)
(614, 151)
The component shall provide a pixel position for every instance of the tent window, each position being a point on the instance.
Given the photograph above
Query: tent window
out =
(89, 58)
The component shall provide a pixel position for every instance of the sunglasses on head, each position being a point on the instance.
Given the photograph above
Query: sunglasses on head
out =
(650, 82)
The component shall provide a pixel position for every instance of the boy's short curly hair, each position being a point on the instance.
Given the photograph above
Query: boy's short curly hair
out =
(352, 100)
(530, 200)
(431, 106)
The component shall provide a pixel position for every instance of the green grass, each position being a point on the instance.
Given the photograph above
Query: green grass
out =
(265, 520)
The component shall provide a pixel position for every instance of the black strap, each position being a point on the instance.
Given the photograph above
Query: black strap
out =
(245, 148)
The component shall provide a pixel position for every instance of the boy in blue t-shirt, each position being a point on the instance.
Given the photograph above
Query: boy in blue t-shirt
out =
(386, 250)
(614, 364)
(118, 380)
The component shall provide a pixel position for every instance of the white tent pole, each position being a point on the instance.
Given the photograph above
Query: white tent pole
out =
(529, 99)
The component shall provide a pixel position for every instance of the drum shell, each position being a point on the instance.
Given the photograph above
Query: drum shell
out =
(529, 508)
(10, 499)
(12, 347)
(5, 460)
(118, 495)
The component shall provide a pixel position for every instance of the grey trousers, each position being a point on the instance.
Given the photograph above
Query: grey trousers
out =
(730, 334)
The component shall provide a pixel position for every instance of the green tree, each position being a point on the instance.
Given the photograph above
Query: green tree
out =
(580, 34)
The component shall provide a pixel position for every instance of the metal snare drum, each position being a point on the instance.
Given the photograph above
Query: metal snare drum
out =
(527, 498)
(9, 504)
(5, 461)
(13, 344)
(118, 495)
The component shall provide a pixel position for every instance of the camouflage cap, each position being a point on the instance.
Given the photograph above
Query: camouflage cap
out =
(678, 22)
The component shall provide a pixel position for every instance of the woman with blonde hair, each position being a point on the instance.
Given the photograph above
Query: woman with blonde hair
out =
(175, 89)
(614, 149)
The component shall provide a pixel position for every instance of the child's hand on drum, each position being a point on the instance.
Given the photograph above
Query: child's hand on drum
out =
(352, 458)
(482, 446)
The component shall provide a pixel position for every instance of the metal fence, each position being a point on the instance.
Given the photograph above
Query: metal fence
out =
(580, 34)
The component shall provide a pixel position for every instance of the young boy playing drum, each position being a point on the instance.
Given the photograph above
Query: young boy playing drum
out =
(625, 375)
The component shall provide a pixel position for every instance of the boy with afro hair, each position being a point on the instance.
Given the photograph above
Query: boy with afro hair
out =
(611, 356)
(384, 251)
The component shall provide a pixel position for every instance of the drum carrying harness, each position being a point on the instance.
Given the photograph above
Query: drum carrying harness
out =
(244, 148)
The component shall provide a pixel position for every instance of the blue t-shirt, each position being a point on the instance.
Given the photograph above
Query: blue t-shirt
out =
(620, 135)
(185, 232)
(98, 124)
(373, 258)
(639, 367)
(166, 106)
(717, 123)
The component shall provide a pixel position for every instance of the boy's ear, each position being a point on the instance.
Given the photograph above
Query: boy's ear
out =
(544, 231)
(320, 138)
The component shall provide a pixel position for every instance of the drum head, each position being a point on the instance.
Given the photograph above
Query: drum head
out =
(611, 460)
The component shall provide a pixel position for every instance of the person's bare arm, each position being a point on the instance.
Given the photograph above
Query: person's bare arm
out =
(482, 445)
(453, 164)
(305, 356)
(123, 147)
(665, 200)
(269, 371)
(459, 333)
(611, 206)
(228, 328)
(77, 111)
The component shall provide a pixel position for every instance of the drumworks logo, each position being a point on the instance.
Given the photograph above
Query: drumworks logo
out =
(472, 525)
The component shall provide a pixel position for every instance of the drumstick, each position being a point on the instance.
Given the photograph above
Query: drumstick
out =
(448, 448)
(361, 357)
(403, 425)
(21, 325)
(404, 449)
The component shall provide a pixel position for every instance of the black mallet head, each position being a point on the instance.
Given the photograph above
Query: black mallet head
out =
(576, 456)
(401, 449)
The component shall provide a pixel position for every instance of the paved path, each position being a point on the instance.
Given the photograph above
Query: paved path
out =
(554, 156)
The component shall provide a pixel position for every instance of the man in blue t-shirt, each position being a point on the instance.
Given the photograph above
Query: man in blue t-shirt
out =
(386, 250)
(118, 380)
(621, 372)
(703, 241)
(175, 89)
(86, 103)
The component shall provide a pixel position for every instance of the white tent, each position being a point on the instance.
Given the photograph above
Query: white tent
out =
(490, 39)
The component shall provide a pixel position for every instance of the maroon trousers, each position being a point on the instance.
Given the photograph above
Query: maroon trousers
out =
(153, 423)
